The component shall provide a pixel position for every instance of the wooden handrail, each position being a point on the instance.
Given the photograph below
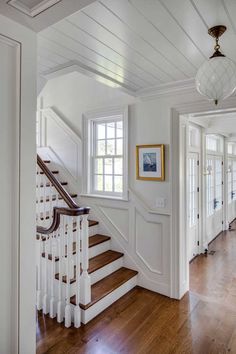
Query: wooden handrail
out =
(57, 212)
(61, 190)
(72, 210)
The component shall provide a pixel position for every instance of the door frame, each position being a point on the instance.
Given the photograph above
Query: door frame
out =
(198, 177)
(22, 275)
(179, 265)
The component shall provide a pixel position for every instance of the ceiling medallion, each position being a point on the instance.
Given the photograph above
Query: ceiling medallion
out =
(216, 77)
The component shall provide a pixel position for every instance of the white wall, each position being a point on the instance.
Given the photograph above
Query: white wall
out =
(145, 235)
(17, 188)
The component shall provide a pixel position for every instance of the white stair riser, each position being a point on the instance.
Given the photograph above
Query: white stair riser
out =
(101, 273)
(98, 274)
(93, 311)
(95, 276)
(93, 230)
(93, 251)
(47, 190)
(98, 249)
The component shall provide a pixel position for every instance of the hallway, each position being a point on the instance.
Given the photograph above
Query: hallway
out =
(203, 322)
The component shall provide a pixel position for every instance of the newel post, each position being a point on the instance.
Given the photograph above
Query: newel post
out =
(85, 280)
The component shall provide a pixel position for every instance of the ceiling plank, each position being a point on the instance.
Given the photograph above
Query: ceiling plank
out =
(155, 61)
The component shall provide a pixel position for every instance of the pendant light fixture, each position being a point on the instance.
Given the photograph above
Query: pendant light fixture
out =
(216, 78)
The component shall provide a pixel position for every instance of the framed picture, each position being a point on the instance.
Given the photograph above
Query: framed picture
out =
(150, 163)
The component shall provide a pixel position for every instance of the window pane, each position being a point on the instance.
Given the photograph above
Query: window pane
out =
(110, 130)
(119, 129)
(230, 148)
(99, 166)
(108, 183)
(100, 131)
(111, 147)
(118, 184)
(101, 147)
(108, 166)
(98, 182)
(118, 166)
(119, 147)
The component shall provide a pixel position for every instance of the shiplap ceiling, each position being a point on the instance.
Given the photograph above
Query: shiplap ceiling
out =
(137, 44)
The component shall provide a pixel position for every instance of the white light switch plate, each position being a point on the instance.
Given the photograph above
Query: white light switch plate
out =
(160, 202)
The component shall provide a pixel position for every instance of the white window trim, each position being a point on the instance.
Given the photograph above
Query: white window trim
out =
(88, 119)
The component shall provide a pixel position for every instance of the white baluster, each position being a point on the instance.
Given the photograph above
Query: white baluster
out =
(56, 202)
(44, 181)
(39, 273)
(69, 237)
(41, 196)
(46, 298)
(85, 281)
(50, 202)
(37, 196)
(61, 249)
(52, 278)
(77, 310)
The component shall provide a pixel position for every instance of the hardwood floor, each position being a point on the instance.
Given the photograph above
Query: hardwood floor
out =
(141, 322)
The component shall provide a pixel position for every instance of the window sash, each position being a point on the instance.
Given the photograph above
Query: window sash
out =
(95, 155)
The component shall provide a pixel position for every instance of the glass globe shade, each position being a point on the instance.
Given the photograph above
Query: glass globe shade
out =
(216, 78)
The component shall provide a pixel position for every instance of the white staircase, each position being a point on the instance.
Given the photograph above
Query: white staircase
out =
(78, 275)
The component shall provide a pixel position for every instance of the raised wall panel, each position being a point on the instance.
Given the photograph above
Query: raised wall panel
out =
(119, 219)
(64, 143)
(149, 243)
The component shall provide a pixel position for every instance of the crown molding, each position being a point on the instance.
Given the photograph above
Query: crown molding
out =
(148, 93)
(76, 66)
(34, 11)
(168, 88)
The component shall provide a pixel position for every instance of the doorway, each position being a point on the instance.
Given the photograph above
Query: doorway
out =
(183, 247)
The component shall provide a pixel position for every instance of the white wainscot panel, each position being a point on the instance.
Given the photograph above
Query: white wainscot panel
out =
(64, 143)
(119, 218)
(149, 243)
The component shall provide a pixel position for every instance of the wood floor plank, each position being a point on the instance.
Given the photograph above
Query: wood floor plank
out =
(143, 322)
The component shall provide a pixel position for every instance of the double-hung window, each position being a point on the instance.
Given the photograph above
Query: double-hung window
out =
(106, 153)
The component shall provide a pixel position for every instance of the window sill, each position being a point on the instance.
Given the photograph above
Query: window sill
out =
(98, 196)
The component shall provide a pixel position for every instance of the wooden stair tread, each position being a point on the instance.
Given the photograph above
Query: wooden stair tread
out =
(55, 172)
(93, 223)
(96, 263)
(48, 184)
(93, 241)
(97, 239)
(108, 284)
